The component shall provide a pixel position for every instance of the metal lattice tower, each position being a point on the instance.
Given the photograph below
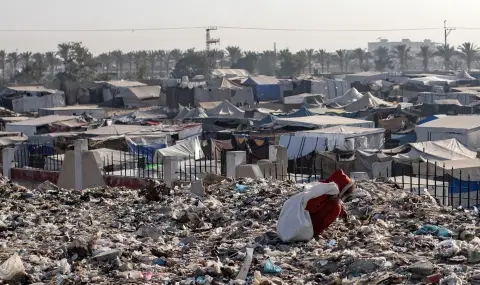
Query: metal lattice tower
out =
(209, 41)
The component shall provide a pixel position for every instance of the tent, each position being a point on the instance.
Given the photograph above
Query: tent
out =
(196, 113)
(366, 102)
(267, 87)
(463, 75)
(466, 129)
(320, 122)
(431, 118)
(350, 96)
(302, 112)
(188, 148)
(450, 149)
(226, 109)
(348, 137)
(182, 113)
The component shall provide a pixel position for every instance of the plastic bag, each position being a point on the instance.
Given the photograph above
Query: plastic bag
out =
(269, 267)
(447, 248)
(294, 222)
(433, 230)
(12, 268)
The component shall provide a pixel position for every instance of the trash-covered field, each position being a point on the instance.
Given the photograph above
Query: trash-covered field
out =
(226, 235)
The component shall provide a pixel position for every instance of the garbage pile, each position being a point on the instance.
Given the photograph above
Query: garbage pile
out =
(225, 233)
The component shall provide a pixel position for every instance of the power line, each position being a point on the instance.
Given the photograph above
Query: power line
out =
(220, 27)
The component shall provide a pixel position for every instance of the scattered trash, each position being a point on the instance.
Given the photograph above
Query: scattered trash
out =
(241, 188)
(159, 261)
(433, 230)
(12, 269)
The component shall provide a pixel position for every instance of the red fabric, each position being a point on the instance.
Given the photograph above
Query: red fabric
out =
(324, 210)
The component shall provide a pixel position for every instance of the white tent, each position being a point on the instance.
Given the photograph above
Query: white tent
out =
(464, 75)
(350, 96)
(466, 129)
(188, 148)
(450, 149)
(182, 113)
(226, 109)
(366, 102)
(195, 113)
(348, 137)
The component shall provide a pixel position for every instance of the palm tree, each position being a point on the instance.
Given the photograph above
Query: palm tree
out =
(105, 60)
(341, 58)
(284, 54)
(117, 56)
(166, 59)
(425, 53)
(38, 65)
(468, 51)
(64, 53)
(329, 59)
(3, 58)
(382, 58)
(216, 55)
(26, 56)
(13, 59)
(302, 58)
(234, 53)
(310, 53)
(322, 58)
(176, 55)
(130, 57)
(402, 52)
(360, 56)
(446, 52)
(51, 61)
(152, 57)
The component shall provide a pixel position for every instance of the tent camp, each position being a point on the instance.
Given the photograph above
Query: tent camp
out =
(226, 109)
(450, 149)
(350, 96)
(348, 137)
(366, 102)
(466, 129)
(182, 113)
(195, 113)
(320, 122)
(302, 112)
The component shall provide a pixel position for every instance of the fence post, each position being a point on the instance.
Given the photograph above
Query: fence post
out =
(8, 161)
(170, 167)
(79, 147)
(234, 159)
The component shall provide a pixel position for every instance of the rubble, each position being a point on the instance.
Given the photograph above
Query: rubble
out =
(226, 236)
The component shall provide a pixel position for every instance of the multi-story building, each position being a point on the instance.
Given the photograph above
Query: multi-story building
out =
(414, 46)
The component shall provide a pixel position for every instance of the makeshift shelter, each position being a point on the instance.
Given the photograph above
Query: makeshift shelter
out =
(195, 113)
(368, 101)
(368, 161)
(267, 88)
(139, 96)
(182, 113)
(37, 125)
(450, 149)
(226, 109)
(466, 129)
(75, 110)
(321, 122)
(302, 112)
(188, 148)
(23, 99)
(464, 98)
(350, 96)
(229, 73)
(348, 137)
(429, 119)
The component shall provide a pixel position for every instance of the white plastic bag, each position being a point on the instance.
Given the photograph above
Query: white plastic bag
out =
(12, 268)
(294, 223)
(447, 248)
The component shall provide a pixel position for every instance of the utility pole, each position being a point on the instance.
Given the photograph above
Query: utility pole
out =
(447, 31)
(209, 41)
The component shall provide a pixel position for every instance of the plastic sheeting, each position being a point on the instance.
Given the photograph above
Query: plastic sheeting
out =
(350, 96)
(226, 109)
(450, 149)
(463, 169)
(301, 146)
(366, 102)
(348, 138)
(33, 103)
(189, 148)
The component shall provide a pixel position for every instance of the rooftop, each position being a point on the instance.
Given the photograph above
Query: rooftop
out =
(74, 107)
(454, 122)
(43, 120)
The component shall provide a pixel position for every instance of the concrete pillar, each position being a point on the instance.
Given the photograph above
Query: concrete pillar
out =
(170, 169)
(79, 147)
(279, 156)
(234, 159)
(8, 161)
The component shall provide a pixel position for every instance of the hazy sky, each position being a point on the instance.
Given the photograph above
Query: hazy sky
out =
(297, 14)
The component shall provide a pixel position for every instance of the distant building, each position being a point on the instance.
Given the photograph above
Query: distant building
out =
(414, 46)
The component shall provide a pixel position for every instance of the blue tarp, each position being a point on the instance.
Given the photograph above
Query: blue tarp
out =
(456, 184)
(147, 151)
(405, 138)
(428, 119)
(267, 88)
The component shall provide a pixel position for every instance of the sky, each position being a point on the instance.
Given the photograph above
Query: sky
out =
(276, 14)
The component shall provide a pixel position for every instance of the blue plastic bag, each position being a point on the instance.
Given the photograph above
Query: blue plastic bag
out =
(269, 267)
(434, 231)
(241, 188)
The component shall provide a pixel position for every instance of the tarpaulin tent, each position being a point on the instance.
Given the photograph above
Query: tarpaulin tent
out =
(466, 129)
(348, 138)
(195, 113)
(226, 109)
(431, 118)
(350, 96)
(188, 148)
(267, 88)
(366, 102)
(182, 113)
(302, 112)
(450, 149)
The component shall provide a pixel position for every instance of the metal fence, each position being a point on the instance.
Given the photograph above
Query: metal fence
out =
(38, 156)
